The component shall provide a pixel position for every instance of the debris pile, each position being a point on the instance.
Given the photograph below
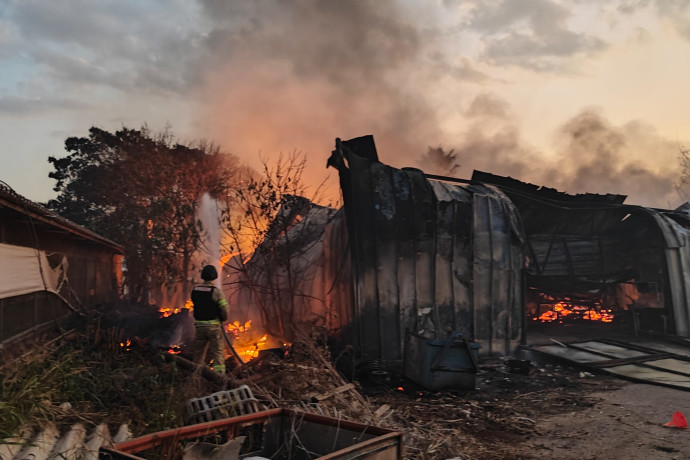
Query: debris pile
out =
(106, 382)
(487, 423)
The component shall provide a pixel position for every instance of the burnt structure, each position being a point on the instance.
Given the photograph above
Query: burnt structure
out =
(429, 257)
(435, 255)
(487, 258)
(49, 266)
(593, 252)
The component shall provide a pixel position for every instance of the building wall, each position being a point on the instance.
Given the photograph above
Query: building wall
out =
(304, 291)
(86, 273)
(430, 258)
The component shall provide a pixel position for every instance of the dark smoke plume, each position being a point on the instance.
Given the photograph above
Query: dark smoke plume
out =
(297, 74)
(630, 160)
(285, 75)
(590, 154)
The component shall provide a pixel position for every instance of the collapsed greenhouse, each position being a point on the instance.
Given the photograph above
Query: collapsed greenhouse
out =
(488, 259)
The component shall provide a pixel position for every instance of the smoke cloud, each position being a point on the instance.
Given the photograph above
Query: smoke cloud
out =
(590, 154)
(279, 76)
(297, 74)
(631, 159)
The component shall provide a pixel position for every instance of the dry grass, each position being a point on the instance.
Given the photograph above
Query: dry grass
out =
(89, 377)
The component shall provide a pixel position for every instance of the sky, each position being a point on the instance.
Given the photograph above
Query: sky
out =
(580, 95)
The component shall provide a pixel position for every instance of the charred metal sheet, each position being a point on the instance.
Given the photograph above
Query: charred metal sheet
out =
(628, 361)
(546, 192)
(580, 243)
(677, 238)
(429, 257)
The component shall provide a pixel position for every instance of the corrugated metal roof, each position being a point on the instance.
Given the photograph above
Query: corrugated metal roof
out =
(74, 444)
(13, 200)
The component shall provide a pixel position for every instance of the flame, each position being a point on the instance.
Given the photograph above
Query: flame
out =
(169, 311)
(226, 258)
(604, 316)
(174, 350)
(126, 344)
(567, 308)
(244, 344)
(238, 328)
(251, 350)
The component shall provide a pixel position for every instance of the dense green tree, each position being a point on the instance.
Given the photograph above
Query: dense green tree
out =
(141, 190)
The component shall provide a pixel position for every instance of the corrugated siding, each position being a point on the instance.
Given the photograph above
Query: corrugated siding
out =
(678, 263)
(314, 290)
(431, 258)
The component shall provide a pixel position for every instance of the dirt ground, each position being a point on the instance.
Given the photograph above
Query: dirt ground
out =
(626, 423)
(555, 413)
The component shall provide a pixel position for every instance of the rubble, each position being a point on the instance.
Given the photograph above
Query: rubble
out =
(502, 418)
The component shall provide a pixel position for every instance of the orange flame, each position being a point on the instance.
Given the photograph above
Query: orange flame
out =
(174, 350)
(237, 328)
(169, 311)
(562, 309)
(251, 350)
(245, 346)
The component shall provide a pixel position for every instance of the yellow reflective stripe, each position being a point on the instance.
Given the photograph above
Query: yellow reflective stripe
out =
(223, 303)
(208, 322)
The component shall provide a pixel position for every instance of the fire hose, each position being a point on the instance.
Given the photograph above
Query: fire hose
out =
(232, 349)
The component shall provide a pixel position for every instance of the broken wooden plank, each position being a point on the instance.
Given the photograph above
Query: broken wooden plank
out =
(329, 394)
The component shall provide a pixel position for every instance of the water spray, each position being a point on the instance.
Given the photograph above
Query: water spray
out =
(208, 214)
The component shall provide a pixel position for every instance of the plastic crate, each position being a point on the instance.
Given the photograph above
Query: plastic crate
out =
(224, 404)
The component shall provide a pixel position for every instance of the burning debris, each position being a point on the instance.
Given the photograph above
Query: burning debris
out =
(568, 310)
(168, 311)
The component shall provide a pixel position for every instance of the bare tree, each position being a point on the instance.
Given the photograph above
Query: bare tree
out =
(684, 183)
(269, 226)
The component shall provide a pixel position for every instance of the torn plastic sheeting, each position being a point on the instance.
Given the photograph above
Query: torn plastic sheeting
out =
(25, 270)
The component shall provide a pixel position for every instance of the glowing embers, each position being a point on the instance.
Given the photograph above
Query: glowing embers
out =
(174, 349)
(566, 310)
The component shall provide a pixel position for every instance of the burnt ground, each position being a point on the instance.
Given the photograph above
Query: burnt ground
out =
(555, 412)
(551, 411)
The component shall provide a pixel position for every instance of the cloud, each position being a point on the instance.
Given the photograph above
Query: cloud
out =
(631, 6)
(138, 47)
(462, 69)
(14, 105)
(487, 104)
(678, 13)
(533, 34)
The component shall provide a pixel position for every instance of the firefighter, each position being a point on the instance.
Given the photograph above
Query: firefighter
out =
(210, 311)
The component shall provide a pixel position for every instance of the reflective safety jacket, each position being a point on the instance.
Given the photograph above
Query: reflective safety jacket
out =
(209, 303)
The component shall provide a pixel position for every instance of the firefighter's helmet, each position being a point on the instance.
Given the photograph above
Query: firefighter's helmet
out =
(209, 273)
